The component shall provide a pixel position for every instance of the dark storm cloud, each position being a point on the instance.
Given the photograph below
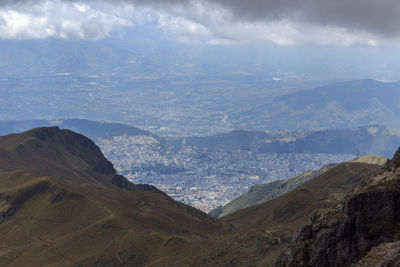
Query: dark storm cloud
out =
(13, 2)
(380, 17)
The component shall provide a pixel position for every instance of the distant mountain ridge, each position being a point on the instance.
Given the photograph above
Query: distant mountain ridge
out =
(366, 140)
(339, 105)
(91, 129)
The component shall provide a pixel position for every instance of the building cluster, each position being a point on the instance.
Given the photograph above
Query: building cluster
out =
(205, 178)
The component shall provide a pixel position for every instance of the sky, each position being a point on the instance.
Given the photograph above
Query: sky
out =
(340, 23)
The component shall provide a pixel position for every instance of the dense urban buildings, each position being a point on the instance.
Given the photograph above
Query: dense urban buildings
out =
(205, 178)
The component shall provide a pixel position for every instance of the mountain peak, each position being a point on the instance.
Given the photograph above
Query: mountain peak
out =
(60, 153)
(44, 132)
(395, 161)
(76, 144)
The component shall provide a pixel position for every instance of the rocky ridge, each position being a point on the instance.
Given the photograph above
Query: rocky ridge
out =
(363, 227)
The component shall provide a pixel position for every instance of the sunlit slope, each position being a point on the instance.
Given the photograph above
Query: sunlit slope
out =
(371, 159)
(264, 192)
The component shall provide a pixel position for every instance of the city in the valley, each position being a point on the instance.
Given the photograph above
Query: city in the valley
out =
(205, 178)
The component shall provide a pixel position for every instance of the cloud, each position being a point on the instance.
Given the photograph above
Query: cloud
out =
(377, 17)
(186, 31)
(289, 22)
(56, 19)
(283, 22)
(372, 16)
(225, 27)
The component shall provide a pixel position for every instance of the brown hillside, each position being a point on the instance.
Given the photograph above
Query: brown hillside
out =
(265, 229)
(361, 230)
(262, 231)
(61, 153)
(60, 205)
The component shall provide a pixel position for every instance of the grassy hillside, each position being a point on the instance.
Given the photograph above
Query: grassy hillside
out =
(264, 192)
(60, 153)
(61, 203)
(261, 232)
(266, 228)
(371, 159)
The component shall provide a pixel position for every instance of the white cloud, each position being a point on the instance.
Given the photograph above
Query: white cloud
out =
(182, 29)
(57, 19)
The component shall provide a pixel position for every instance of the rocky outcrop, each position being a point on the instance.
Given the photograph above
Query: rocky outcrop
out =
(368, 217)
(395, 161)
(384, 255)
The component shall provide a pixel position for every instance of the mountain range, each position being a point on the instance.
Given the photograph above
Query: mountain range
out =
(366, 140)
(338, 105)
(62, 203)
(92, 129)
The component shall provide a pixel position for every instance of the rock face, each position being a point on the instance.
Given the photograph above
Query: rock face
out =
(369, 216)
(395, 161)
